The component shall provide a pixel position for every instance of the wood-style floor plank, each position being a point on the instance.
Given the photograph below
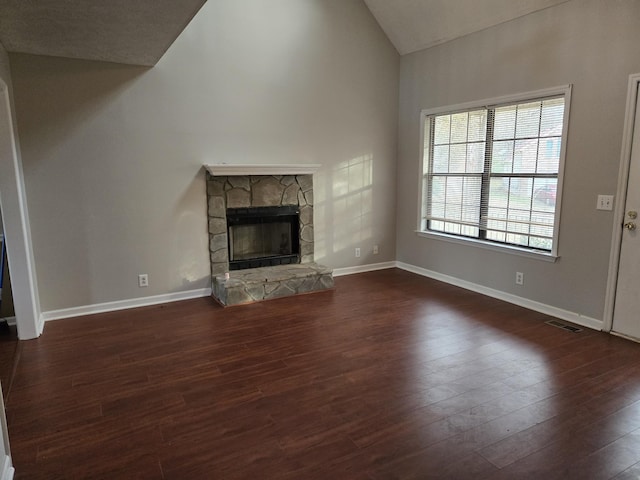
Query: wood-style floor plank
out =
(389, 376)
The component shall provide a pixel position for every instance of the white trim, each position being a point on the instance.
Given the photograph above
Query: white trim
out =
(497, 101)
(10, 321)
(26, 302)
(5, 449)
(339, 272)
(626, 337)
(175, 297)
(572, 317)
(424, 157)
(40, 324)
(7, 469)
(123, 304)
(257, 169)
(621, 200)
(562, 90)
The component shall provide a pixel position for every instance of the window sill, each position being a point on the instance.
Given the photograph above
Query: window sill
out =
(509, 249)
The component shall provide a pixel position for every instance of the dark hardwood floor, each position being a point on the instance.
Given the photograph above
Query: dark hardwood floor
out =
(389, 376)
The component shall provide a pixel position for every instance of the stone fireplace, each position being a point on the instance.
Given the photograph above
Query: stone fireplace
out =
(261, 233)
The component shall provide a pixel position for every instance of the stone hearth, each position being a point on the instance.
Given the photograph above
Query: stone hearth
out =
(255, 284)
(236, 190)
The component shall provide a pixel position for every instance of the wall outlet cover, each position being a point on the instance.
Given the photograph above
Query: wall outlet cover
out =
(605, 202)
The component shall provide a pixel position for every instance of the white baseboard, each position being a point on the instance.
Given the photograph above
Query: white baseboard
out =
(123, 304)
(40, 325)
(626, 337)
(572, 317)
(10, 321)
(338, 272)
(171, 297)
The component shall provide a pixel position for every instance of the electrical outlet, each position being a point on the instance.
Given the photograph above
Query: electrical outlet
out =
(519, 278)
(143, 280)
(605, 202)
(375, 249)
(357, 252)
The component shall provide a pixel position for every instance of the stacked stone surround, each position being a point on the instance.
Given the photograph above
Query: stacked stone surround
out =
(250, 285)
(244, 191)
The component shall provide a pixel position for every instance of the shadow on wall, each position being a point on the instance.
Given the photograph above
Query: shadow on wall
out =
(58, 100)
(81, 88)
(344, 197)
(192, 266)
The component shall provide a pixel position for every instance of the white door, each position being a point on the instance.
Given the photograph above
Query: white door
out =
(626, 313)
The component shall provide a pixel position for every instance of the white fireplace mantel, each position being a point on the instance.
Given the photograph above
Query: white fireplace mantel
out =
(222, 169)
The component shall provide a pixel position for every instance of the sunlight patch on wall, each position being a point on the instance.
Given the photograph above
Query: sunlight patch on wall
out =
(352, 202)
(320, 182)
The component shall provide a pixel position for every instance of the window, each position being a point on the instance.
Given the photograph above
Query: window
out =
(492, 173)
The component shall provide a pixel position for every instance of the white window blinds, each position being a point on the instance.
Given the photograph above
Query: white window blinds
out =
(492, 173)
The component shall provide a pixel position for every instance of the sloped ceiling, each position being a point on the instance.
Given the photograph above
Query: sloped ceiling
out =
(413, 25)
(138, 32)
(134, 32)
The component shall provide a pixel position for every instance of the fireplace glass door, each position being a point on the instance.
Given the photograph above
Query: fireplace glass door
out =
(263, 236)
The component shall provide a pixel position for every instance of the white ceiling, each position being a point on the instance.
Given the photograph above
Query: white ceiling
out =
(413, 25)
(123, 31)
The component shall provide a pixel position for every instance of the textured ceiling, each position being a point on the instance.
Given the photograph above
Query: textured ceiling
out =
(125, 31)
(140, 31)
(413, 25)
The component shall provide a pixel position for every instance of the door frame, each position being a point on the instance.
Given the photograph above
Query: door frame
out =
(17, 232)
(633, 92)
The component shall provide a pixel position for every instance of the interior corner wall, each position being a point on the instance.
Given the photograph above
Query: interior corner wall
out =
(591, 44)
(113, 154)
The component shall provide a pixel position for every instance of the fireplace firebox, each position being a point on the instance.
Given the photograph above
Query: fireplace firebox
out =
(263, 236)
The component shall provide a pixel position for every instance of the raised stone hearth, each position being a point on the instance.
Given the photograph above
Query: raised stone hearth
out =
(230, 188)
(256, 284)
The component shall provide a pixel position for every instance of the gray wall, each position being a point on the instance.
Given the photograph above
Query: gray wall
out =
(5, 73)
(113, 154)
(592, 44)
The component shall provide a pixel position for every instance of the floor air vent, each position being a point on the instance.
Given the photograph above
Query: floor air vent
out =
(564, 326)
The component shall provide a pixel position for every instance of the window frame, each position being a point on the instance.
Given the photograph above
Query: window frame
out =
(492, 103)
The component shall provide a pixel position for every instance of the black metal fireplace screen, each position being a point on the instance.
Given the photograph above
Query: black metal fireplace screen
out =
(263, 236)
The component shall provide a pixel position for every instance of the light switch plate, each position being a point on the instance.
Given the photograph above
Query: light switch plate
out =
(605, 202)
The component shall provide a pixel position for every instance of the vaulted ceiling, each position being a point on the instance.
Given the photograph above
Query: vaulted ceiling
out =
(139, 32)
(413, 25)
